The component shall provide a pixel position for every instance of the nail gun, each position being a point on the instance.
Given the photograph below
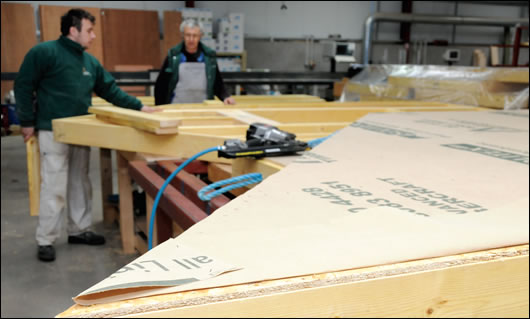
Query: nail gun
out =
(262, 140)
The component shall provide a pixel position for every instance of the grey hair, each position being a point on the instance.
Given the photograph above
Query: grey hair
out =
(191, 23)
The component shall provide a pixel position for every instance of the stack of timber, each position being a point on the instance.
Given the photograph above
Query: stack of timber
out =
(182, 131)
(288, 98)
(499, 88)
(392, 216)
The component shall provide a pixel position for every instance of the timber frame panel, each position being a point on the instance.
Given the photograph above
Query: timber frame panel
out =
(484, 283)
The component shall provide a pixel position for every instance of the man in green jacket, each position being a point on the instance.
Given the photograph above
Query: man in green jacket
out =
(63, 77)
(190, 73)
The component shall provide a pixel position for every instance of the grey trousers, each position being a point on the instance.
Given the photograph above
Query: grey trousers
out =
(65, 186)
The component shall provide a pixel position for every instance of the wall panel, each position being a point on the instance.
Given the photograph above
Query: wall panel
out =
(172, 36)
(18, 37)
(131, 37)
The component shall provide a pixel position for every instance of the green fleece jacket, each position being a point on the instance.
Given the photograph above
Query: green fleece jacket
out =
(63, 76)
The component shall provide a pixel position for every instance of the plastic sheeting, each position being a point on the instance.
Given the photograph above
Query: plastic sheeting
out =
(499, 88)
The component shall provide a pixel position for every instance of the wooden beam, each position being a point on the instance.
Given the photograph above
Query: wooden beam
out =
(512, 75)
(133, 116)
(172, 202)
(105, 169)
(495, 289)
(456, 85)
(246, 165)
(87, 130)
(264, 105)
(218, 172)
(491, 283)
(126, 205)
(138, 125)
(494, 100)
(33, 162)
(190, 186)
(149, 201)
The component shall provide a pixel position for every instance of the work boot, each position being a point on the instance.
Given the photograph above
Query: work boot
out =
(87, 238)
(46, 253)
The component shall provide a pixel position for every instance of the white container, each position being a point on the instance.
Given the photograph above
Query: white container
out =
(236, 27)
(224, 25)
(236, 17)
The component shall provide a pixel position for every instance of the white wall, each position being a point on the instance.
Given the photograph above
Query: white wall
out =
(302, 18)
(265, 19)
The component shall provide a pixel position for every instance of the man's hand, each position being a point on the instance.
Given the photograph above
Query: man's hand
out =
(149, 109)
(229, 101)
(27, 132)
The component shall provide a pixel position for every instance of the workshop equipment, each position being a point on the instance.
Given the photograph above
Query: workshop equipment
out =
(263, 140)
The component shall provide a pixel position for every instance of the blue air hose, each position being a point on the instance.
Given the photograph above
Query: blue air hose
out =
(159, 194)
(251, 179)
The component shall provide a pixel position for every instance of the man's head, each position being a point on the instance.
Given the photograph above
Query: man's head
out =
(191, 31)
(78, 25)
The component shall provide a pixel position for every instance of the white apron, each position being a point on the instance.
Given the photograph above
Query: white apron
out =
(191, 87)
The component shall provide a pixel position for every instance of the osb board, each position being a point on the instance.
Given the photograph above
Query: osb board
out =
(459, 285)
(172, 35)
(130, 37)
(50, 27)
(18, 34)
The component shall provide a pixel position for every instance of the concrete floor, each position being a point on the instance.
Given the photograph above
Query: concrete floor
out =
(31, 288)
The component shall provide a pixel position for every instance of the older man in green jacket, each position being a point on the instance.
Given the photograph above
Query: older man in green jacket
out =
(190, 73)
(63, 77)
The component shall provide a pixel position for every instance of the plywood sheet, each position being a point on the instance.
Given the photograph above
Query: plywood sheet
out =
(130, 37)
(172, 35)
(18, 34)
(50, 26)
